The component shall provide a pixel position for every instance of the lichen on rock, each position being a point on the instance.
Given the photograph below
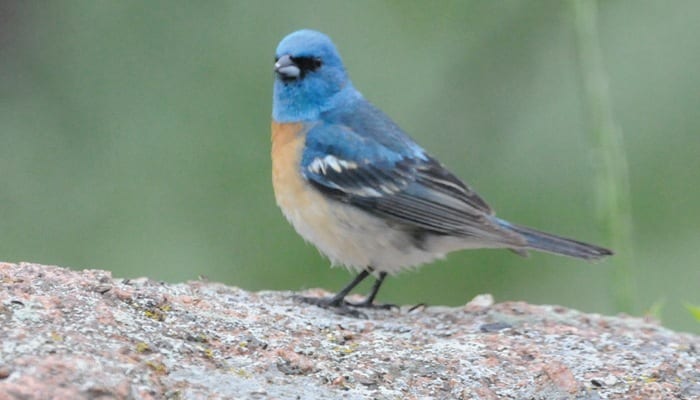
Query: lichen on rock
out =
(84, 335)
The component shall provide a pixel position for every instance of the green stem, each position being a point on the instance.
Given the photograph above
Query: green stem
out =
(612, 181)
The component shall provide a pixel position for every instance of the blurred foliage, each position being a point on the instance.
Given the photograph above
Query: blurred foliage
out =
(134, 137)
(608, 151)
(694, 311)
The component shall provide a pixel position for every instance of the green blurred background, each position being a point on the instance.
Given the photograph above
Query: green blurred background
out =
(134, 137)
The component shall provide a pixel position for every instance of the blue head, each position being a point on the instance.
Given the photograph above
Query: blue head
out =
(309, 77)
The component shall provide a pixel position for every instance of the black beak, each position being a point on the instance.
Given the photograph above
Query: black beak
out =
(286, 68)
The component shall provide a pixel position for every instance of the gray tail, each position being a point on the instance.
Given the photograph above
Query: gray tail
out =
(542, 241)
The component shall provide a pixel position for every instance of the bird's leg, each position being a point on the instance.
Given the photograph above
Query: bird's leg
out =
(368, 302)
(338, 300)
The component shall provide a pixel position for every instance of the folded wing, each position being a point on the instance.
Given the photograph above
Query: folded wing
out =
(409, 188)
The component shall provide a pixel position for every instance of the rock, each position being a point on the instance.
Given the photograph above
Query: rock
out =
(84, 335)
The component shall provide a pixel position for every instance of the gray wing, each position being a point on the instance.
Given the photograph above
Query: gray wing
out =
(413, 191)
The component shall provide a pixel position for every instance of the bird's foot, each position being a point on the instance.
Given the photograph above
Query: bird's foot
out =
(343, 307)
(339, 306)
(368, 303)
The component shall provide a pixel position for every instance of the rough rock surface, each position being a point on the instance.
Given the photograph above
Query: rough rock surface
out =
(84, 335)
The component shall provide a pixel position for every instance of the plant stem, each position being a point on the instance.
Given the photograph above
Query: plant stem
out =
(612, 181)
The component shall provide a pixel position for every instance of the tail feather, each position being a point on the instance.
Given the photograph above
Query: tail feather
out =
(538, 240)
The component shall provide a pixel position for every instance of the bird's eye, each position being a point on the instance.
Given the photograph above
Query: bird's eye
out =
(308, 63)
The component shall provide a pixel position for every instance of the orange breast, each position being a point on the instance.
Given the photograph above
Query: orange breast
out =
(304, 207)
(287, 146)
(292, 192)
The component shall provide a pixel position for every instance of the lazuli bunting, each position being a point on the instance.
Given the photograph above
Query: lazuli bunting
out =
(352, 183)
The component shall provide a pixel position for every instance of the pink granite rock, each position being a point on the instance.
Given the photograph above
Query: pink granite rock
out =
(83, 335)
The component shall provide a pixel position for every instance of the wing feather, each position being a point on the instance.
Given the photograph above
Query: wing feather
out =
(413, 190)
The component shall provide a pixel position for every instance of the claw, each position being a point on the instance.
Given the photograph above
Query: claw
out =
(418, 306)
(368, 304)
(339, 306)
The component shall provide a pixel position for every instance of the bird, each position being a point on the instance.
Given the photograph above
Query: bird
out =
(365, 194)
